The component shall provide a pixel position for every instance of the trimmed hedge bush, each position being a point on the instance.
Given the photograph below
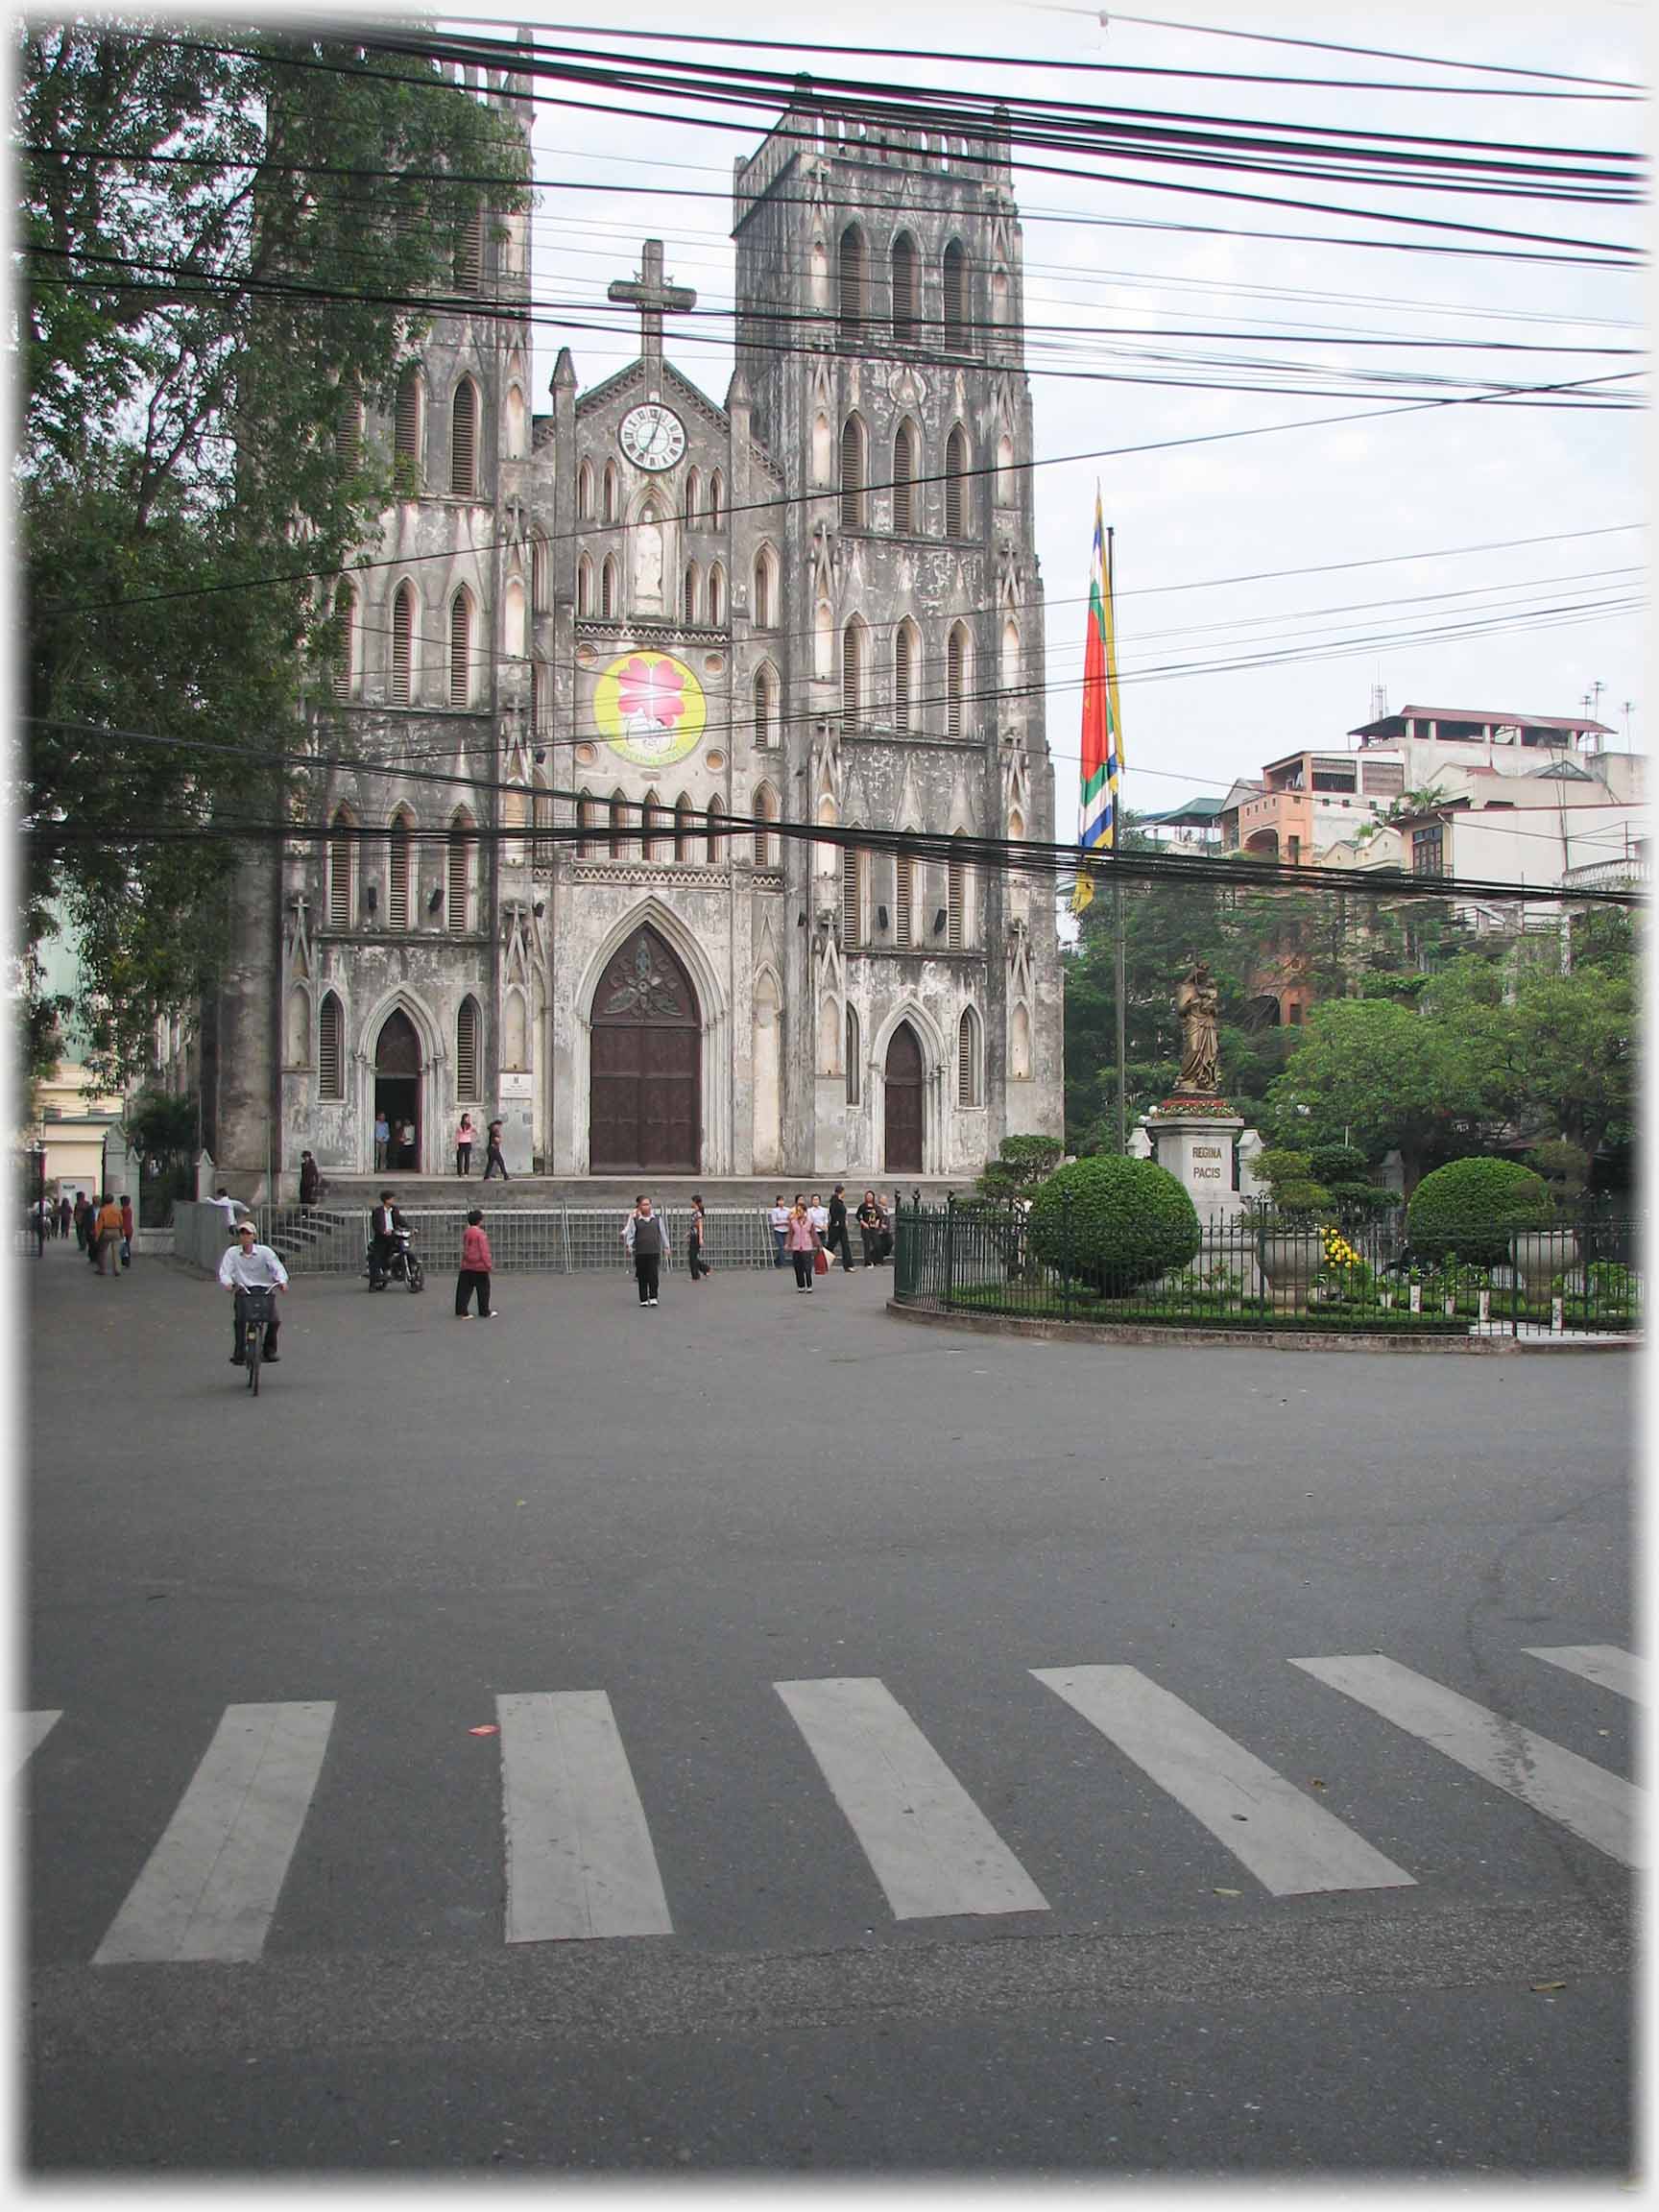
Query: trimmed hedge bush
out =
(1335, 1164)
(1130, 1221)
(1473, 1206)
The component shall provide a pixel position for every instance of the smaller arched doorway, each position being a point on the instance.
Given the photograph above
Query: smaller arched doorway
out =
(903, 1087)
(397, 1089)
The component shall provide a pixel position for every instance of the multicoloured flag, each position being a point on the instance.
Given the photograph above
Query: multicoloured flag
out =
(1102, 742)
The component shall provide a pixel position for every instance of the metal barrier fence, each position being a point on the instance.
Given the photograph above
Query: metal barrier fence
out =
(549, 1240)
(1258, 1271)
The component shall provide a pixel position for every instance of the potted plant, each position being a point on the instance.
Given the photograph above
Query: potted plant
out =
(1290, 1246)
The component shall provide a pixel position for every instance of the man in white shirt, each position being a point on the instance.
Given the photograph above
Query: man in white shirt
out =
(252, 1267)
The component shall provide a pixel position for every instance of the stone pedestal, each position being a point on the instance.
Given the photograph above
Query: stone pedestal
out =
(1195, 1145)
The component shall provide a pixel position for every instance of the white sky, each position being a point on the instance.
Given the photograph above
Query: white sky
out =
(1420, 485)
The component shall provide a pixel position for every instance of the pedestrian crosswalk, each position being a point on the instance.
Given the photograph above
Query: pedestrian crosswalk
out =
(578, 1858)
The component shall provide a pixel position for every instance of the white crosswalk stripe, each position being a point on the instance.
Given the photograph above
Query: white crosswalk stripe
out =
(930, 1846)
(1290, 1843)
(29, 1731)
(1583, 1798)
(579, 1857)
(210, 1886)
(1602, 1663)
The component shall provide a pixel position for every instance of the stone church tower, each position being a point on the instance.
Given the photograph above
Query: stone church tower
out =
(633, 620)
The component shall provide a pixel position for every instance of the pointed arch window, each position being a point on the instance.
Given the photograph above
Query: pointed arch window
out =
(765, 705)
(1010, 669)
(956, 509)
(716, 501)
(685, 815)
(406, 435)
(716, 832)
(404, 645)
(904, 899)
(464, 440)
(904, 445)
(852, 674)
(588, 822)
(608, 588)
(467, 1053)
(854, 1070)
(461, 648)
(957, 915)
(341, 869)
(906, 658)
(331, 1048)
(348, 428)
(955, 275)
(689, 593)
(852, 474)
(852, 896)
(458, 887)
(958, 668)
(584, 586)
(717, 595)
(650, 839)
(968, 1058)
(851, 291)
(765, 843)
(764, 570)
(693, 494)
(541, 576)
(345, 640)
(470, 254)
(619, 840)
(610, 492)
(904, 289)
(585, 493)
(398, 870)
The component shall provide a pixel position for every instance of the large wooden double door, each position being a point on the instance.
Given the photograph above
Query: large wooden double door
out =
(644, 1100)
(902, 1087)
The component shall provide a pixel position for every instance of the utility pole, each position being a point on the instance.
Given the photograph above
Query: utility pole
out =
(1118, 893)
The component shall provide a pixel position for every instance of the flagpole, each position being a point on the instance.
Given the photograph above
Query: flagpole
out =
(1117, 917)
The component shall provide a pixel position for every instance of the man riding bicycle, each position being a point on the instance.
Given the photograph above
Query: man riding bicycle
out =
(247, 1267)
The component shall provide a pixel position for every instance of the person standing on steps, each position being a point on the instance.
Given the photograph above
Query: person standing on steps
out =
(464, 1137)
(310, 1180)
(382, 1140)
(646, 1238)
(492, 1159)
(476, 1267)
(801, 1240)
(697, 1243)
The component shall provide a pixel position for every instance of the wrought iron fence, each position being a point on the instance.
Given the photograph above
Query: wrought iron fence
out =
(1265, 1272)
(549, 1240)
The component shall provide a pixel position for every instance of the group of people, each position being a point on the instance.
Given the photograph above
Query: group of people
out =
(801, 1232)
(103, 1227)
(402, 1134)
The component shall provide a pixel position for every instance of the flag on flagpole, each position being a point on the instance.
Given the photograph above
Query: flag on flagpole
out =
(1102, 745)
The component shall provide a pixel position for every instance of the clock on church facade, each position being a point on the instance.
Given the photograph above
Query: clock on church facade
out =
(641, 633)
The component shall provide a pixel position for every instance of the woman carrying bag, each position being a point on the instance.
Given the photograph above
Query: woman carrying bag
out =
(801, 1242)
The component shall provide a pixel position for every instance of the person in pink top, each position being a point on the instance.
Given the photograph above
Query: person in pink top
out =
(464, 1137)
(475, 1265)
(801, 1242)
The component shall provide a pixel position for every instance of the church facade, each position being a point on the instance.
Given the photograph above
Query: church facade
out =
(659, 625)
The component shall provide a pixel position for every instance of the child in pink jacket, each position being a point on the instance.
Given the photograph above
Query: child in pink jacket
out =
(476, 1267)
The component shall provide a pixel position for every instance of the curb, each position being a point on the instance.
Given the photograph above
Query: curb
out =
(1272, 1339)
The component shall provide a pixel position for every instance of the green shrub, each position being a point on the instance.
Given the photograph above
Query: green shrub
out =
(1113, 1222)
(1297, 1194)
(1357, 1203)
(1334, 1164)
(1473, 1206)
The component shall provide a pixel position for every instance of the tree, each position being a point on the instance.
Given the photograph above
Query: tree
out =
(1020, 1165)
(216, 263)
(1391, 1077)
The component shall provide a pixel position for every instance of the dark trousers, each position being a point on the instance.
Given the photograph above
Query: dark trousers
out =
(838, 1240)
(472, 1279)
(871, 1240)
(463, 1159)
(271, 1326)
(779, 1255)
(647, 1267)
(695, 1263)
(803, 1263)
(380, 1258)
(492, 1160)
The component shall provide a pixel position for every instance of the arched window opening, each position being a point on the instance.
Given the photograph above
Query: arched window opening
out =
(345, 640)
(684, 814)
(957, 662)
(765, 706)
(397, 871)
(1010, 657)
(608, 588)
(541, 576)
(717, 595)
(459, 885)
(404, 645)
(689, 593)
(650, 814)
(342, 852)
(464, 440)
(904, 289)
(1020, 1046)
(584, 586)
(956, 897)
(956, 484)
(470, 254)
(585, 493)
(905, 662)
(852, 281)
(968, 1059)
(854, 1070)
(765, 843)
(331, 1048)
(716, 501)
(461, 648)
(716, 833)
(406, 435)
(852, 674)
(954, 274)
(609, 511)
(467, 1053)
(348, 428)
(904, 478)
(763, 572)
(588, 822)
(852, 896)
(852, 474)
(904, 899)
(619, 840)
(693, 494)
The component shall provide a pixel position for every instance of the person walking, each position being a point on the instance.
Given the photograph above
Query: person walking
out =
(476, 1267)
(126, 1231)
(697, 1243)
(801, 1240)
(382, 1140)
(107, 1229)
(778, 1221)
(80, 1212)
(406, 1144)
(869, 1219)
(310, 1181)
(492, 1159)
(836, 1240)
(65, 1215)
(646, 1238)
(464, 1137)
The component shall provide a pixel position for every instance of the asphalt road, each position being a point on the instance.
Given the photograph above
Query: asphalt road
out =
(683, 1509)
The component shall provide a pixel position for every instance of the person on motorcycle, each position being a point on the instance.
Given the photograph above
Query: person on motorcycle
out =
(384, 1224)
(252, 1267)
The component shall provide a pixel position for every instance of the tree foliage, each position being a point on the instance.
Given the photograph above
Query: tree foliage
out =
(210, 266)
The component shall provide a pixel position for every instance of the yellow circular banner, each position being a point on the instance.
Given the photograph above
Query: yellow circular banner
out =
(649, 708)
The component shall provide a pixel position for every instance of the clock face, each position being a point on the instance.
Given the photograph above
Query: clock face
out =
(652, 436)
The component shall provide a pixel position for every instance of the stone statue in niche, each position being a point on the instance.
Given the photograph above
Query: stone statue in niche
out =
(648, 562)
(1198, 1003)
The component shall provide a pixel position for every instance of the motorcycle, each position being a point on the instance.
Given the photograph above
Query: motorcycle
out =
(401, 1266)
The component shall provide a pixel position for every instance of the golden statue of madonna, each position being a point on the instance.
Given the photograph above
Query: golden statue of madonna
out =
(1198, 1003)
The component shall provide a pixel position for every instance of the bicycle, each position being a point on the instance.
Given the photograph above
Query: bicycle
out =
(260, 1309)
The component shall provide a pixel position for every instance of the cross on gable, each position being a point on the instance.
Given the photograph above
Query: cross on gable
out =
(654, 299)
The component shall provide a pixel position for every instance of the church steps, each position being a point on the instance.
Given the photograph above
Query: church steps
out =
(344, 1192)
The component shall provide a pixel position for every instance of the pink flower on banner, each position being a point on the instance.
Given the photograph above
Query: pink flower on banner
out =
(653, 689)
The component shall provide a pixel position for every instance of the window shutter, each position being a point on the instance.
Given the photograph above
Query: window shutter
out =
(345, 639)
(955, 332)
(683, 828)
(406, 435)
(852, 474)
(904, 475)
(955, 485)
(464, 440)
(340, 877)
(716, 839)
(851, 676)
(956, 671)
(608, 589)
(853, 1069)
(460, 649)
(763, 593)
(967, 1063)
(469, 256)
(901, 677)
(851, 282)
(397, 875)
(402, 644)
(851, 896)
(330, 1049)
(956, 905)
(467, 1050)
(904, 897)
(460, 857)
(904, 289)
(349, 430)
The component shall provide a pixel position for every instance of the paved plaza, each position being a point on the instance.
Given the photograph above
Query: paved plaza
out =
(761, 1733)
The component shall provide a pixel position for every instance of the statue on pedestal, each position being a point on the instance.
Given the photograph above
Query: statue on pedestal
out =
(1198, 1003)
